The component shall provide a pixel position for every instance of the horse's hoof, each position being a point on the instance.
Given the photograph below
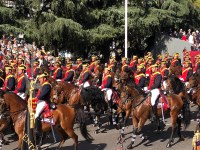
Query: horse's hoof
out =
(168, 145)
(130, 146)
(181, 139)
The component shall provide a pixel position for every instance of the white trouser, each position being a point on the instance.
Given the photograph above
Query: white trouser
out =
(86, 84)
(186, 84)
(40, 107)
(58, 80)
(108, 93)
(165, 84)
(22, 95)
(154, 95)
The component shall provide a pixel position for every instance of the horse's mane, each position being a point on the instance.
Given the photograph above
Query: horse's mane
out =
(93, 95)
(18, 99)
(1, 93)
(135, 86)
(176, 83)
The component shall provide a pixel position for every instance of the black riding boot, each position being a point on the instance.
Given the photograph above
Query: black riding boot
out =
(38, 128)
(153, 113)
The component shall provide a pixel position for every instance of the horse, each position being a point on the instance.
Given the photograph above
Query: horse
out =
(141, 109)
(64, 118)
(174, 85)
(61, 92)
(177, 70)
(89, 96)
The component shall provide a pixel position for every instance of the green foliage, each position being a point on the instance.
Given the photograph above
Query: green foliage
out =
(81, 24)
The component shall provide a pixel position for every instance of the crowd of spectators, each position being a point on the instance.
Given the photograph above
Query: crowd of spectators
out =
(193, 37)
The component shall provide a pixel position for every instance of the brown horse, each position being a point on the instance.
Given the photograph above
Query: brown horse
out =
(141, 109)
(64, 117)
(62, 92)
(175, 70)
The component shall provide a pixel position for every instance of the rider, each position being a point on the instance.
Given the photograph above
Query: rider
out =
(69, 74)
(57, 75)
(21, 82)
(85, 76)
(125, 66)
(1, 78)
(140, 77)
(9, 84)
(176, 61)
(93, 63)
(42, 99)
(133, 63)
(107, 83)
(36, 69)
(186, 72)
(164, 70)
(154, 86)
(80, 65)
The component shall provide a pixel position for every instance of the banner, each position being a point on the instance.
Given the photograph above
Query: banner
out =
(28, 142)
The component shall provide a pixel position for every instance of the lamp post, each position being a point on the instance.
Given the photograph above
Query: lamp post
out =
(126, 28)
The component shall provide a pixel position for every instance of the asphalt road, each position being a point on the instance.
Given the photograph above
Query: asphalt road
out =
(107, 139)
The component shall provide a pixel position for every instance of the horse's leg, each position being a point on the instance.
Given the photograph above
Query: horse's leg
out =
(140, 125)
(181, 138)
(71, 134)
(125, 122)
(64, 137)
(173, 115)
(20, 136)
(135, 127)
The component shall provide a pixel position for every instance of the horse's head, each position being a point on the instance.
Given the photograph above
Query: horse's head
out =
(57, 91)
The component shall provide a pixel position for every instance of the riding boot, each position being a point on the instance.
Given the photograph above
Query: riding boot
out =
(38, 128)
(153, 112)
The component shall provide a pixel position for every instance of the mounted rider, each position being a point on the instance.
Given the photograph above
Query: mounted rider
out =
(140, 77)
(187, 72)
(176, 60)
(154, 87)
(69, 74)
(9, 84)
(36, 69)
(21, 82)
(107, 83)
(42, 100)
(85, 76)
(133, 63)
(57, 75)
(93, 63)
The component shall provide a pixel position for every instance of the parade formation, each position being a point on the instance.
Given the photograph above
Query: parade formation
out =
(40, 92)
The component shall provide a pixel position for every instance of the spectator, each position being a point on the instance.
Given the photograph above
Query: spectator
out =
(184, 37)
(180, 34)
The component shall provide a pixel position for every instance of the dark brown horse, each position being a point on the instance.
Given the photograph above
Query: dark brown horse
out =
(141, 109)
(64, 117)
(175, 70)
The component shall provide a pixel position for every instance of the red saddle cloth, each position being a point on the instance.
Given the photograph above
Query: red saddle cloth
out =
(46, 112)
(115, 97)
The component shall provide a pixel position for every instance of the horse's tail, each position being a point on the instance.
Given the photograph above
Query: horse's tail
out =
(186, 113)
(83, 128)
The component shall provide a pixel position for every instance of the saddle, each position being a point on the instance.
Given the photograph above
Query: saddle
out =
(161, 102)
(47, 116)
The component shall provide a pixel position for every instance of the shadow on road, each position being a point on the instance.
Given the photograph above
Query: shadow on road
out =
(83, 145)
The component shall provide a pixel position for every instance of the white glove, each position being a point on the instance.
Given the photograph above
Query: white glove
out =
(145, 89)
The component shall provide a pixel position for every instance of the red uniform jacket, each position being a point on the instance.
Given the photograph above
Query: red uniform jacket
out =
(140, 80)
(155, 81)
(148, 71)
(21, 84)
(107, 81)
(186, 74)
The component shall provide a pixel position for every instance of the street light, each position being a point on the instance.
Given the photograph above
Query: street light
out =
(126, 28)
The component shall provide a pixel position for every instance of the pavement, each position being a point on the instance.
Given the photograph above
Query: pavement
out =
(106, 139)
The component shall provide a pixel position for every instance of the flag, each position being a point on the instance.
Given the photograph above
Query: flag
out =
(28, 142)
